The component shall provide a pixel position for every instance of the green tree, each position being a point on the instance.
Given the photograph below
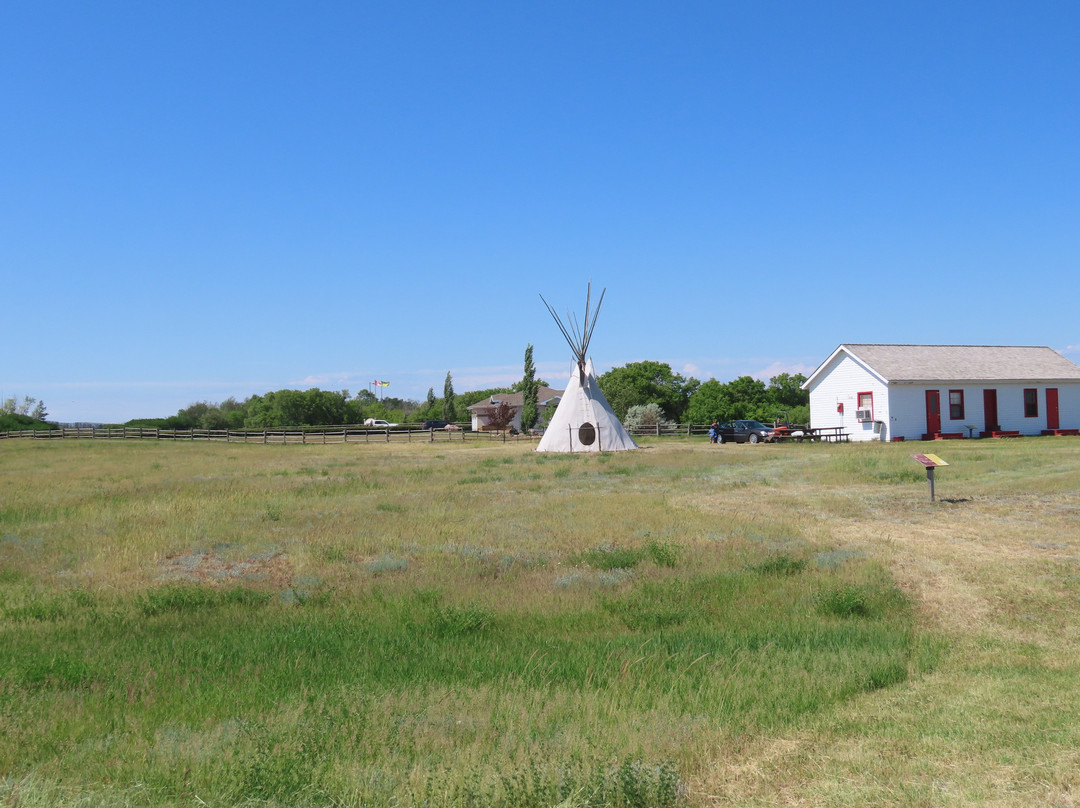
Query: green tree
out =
(711, 401)
(647, 383)
(465, 400)
(785, 391)
(29, 406)
(548, 413)
(750, 400)
(449, 410)
(14, 421)
(528, 392)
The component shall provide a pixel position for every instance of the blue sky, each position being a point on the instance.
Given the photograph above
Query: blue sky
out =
(203, 200)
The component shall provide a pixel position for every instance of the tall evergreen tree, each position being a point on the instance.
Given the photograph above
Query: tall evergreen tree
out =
(529, 386)
(449, 411)
(430, 403)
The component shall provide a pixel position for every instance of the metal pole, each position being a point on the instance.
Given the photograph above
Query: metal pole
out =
(930, 479)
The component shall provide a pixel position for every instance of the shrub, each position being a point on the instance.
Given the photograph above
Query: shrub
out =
(647, 415)
(663, 553)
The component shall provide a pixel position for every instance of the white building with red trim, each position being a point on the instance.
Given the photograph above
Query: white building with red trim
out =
(922, 392)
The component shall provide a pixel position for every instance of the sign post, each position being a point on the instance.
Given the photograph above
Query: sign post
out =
(931, 461)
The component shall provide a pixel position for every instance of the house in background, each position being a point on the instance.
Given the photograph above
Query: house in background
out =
(919, 392)
(545, 396)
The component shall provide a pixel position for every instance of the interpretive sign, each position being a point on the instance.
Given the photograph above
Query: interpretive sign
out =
(931, 461)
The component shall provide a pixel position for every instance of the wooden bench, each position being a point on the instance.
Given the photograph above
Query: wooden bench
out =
(1005, 433)
(832, 434)
(948, 436)
(1061, 432)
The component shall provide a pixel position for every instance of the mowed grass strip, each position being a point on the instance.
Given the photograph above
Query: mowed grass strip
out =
(350, 626)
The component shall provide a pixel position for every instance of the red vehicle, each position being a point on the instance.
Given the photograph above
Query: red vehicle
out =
(784, 429)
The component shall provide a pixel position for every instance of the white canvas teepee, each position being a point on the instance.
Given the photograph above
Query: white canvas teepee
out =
(584, 420)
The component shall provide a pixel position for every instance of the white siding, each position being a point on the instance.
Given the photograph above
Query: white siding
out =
(1068, 405)
(840, 384)
(479, 420)
(909, 408)
(908, 411)
(1010, 404)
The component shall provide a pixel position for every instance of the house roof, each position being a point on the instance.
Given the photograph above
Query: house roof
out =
(959, 363)
(543, 396)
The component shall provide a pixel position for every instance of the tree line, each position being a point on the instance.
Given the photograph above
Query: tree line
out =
(677, 399)
(687, 400)
(667, 395)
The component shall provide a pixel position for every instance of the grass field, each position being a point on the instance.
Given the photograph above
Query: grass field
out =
(465, 625)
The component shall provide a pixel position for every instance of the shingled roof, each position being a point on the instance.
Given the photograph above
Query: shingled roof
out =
(974, 363)
(543, 396)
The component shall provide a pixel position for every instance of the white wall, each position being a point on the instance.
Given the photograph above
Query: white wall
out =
(908, 411)
(840, 383)
(1068, 405)
(1010, 404)
(481, 420)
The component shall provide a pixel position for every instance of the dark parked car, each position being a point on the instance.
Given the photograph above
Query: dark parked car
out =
(744, 432)
(435, 424)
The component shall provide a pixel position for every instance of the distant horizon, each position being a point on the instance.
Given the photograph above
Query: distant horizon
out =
(764, 375)
(508, 380)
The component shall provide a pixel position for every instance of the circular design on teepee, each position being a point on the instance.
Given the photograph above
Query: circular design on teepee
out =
(586, 434)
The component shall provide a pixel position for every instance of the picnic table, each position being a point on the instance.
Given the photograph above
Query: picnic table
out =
(827, 434)
(832, 434)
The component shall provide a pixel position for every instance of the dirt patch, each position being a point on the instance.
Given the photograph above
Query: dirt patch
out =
(209, 567)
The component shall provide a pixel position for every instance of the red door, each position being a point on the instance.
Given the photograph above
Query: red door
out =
(1051, 408)
(990, 411)
(933, 412)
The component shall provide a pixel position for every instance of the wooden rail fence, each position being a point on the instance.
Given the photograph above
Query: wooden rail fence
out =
(312, 435)
(319, 435)
(678, 430)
